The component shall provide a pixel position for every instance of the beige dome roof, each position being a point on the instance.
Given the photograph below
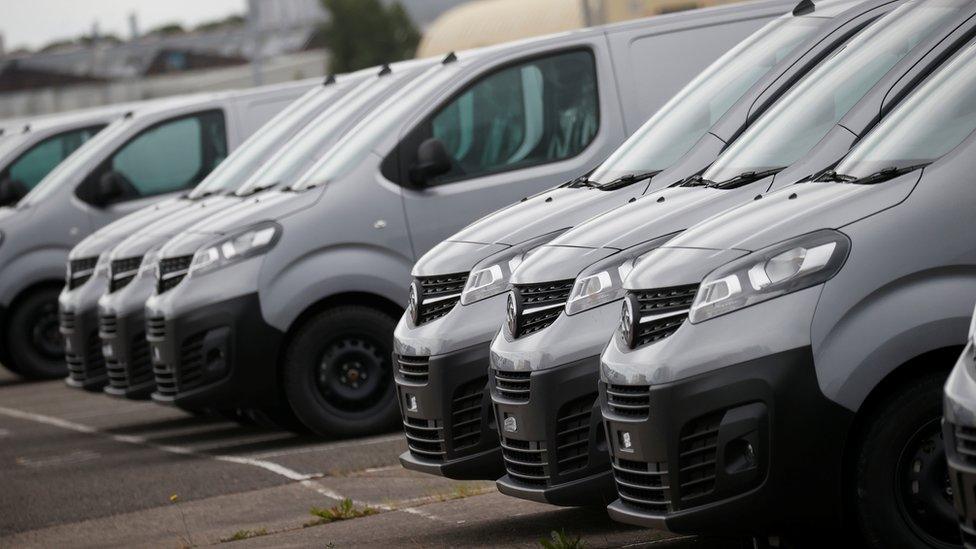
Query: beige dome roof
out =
(491, 22)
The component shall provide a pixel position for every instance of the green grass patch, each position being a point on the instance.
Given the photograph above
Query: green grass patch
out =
(560, 540)
(345, 510)
(245, 534)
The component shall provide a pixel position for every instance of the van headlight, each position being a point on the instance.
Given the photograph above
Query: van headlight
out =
(492, 275)
(256, 240)
(780, 269)
(603, 282)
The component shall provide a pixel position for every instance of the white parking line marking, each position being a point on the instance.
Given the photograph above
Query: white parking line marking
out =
(70, 458)
(281, 470)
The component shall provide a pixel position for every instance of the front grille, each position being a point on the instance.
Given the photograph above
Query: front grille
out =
(80, 270)
(413, 369)
(697, 455)
(466, 410)
(156, 327)
(631, 401)
(122, 272)
(108, 324)
(643, 485)
(425, 438)
(526, 461)
(172, 270)
(966, 443)
(438, 295)
(68, 320)
(661, 311)
(573, 434)
(541, 304)
(513, 386)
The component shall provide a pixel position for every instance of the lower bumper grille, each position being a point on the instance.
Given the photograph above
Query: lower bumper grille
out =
(68, 320)
(526, 461)
(425, 438)
(85, 367)
(630, 401)
(513, 386)
(413, 369)
(642, 485)
(467, 407)
(698, 452)
(137, 371)
(573, 434)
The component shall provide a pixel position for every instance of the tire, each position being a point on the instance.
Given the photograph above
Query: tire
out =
(36, 346)
(902, 496)
(338, 375)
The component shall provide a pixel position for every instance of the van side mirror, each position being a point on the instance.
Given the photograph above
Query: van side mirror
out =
(111, 185)
(432, 160)
(11, 191)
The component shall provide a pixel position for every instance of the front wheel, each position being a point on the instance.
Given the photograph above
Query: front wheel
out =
(35, 343)
(903, 496)
(338, 375)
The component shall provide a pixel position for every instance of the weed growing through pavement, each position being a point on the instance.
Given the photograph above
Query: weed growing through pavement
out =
(175, 500)
(559, 540)
(345, 510)
(245, 534)
(461, 491)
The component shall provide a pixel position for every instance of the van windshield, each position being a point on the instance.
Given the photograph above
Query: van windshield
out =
(934, 120)
(253, 152)
(82, 160)
(683, 120)
(315, 139)
(354, 146)
(804, 115)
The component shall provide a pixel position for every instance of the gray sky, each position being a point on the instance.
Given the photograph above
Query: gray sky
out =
(33, 23)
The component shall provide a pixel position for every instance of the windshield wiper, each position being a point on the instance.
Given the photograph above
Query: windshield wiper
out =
(832, 176)
(745, 178)
(581, 181)
(885, 174)
(694, 181)
(205, 194)
(256, 189)
(628, 179)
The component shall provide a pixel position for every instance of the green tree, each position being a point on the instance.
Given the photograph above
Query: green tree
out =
(363, 33)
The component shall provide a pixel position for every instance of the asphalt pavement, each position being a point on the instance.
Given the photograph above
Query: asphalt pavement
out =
(80, 469)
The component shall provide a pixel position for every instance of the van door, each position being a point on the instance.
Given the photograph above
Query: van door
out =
(163, 159)
(516, 130)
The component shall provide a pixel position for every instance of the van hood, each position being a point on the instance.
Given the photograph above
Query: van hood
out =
(158, 233)
(271, 205)
(793, 211)
(544, 213)
(450, 257)
(657, 214)
(110, 235)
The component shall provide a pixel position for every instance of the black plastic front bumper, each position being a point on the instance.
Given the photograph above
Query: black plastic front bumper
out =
(553, 441)
(222, 355)
(126, 352)
(447, 416)
(83, 349)
(750, 449)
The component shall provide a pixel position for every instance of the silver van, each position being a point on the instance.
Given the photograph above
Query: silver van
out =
(132, 276)
(442, 342)
(294, 296)
(30, 149)
(778, 368)
(154, 150)
(566, 297)
(78, 301)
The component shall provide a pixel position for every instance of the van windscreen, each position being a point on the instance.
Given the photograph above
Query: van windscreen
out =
(931, 122)
(804, 115)
(683, 120)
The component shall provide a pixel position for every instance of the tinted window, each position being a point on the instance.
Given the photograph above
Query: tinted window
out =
(174, 155)
(683, 120)
(798, 121)
(536, 112)
(40, 159)
(931, 122)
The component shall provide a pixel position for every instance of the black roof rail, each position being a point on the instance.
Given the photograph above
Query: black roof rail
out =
(385, 70)
(329, 80)
(804, 7)
(449, 58)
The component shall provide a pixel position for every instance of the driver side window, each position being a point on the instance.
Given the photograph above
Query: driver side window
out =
(541, 111)
(174, 155)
